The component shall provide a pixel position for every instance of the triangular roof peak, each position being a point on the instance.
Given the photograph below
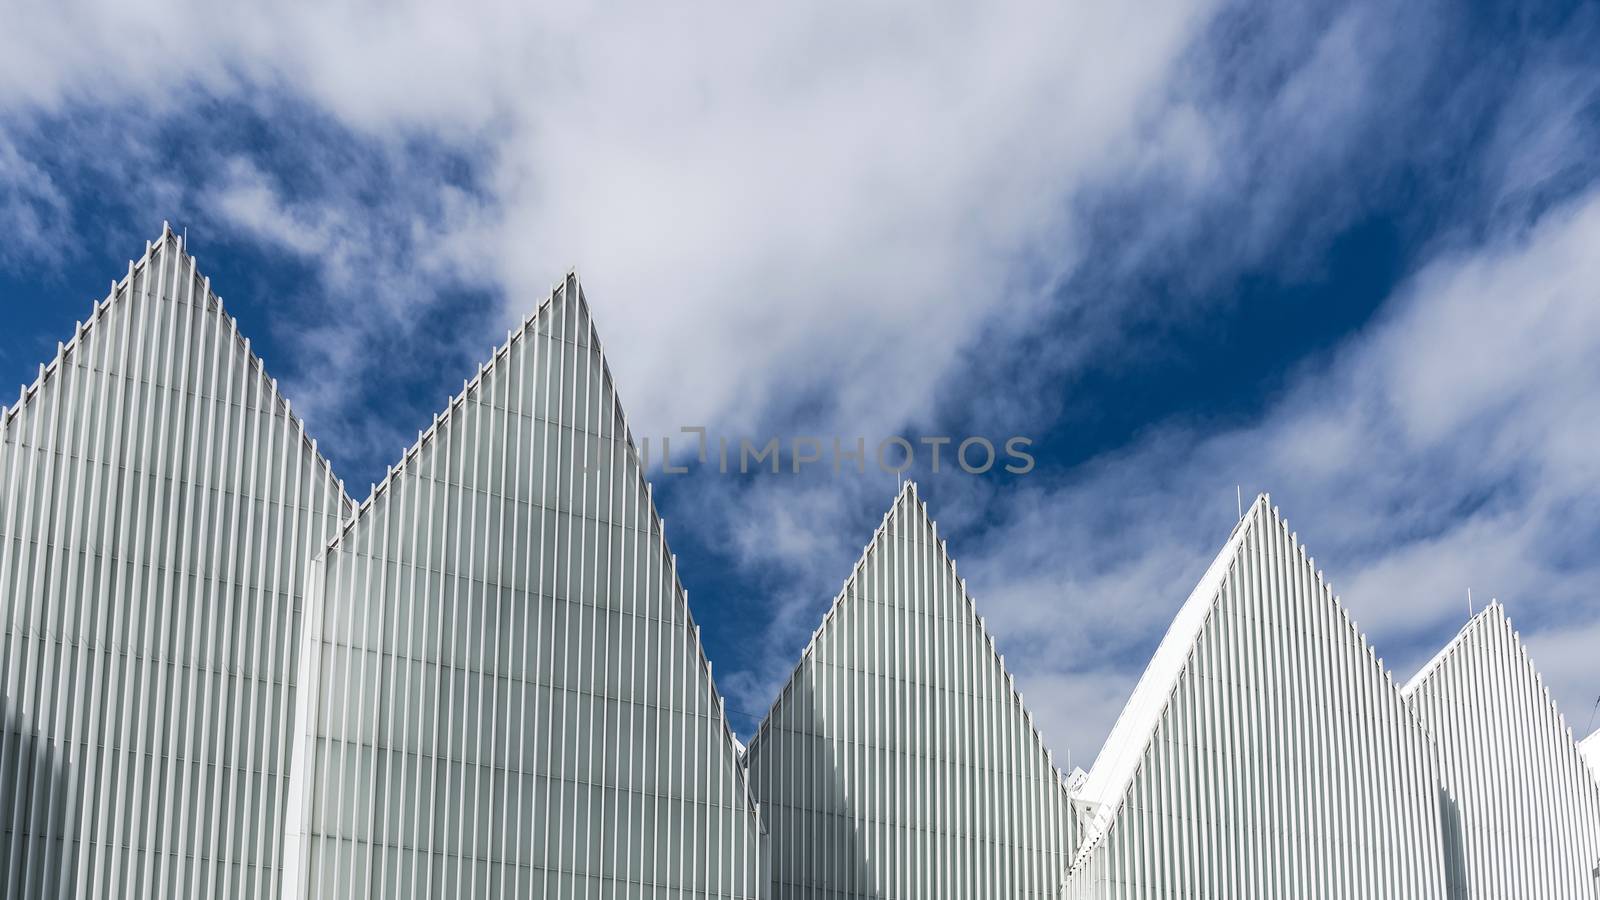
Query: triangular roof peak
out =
(119, 288)
(568, 289)
(168, 241)
(1497, 626)
(908, 499)
(903, 599)
(1494, 612)
(1119, 756)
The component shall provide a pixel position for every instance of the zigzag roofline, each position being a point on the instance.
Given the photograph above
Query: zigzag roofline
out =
(124, 287)
(908, 490)
(468, 386)
(1137, 724)
(1134, 729)
(1496, 612)
(569, 285)
(906, 487)
(1431, 667)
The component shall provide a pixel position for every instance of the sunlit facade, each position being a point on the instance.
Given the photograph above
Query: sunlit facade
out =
(1521, 808)
(1267, 752)
(223, 678)
(1264, 753)
(503, 691)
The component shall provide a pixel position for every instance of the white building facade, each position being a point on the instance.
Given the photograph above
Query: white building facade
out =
(159, 502)
(503, 691)
(222, 678)
(1264, 753)
(899, 760)
(1521, 808)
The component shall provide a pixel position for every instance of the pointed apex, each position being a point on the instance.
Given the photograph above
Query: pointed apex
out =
(904, 598)
(565, 294)
(1493, 723)
(1115, 766)
(167, 265)
(1494, 613)
(1119, 756)
(907, 490)
(157, 366)
(539, 427)
(1225, 670)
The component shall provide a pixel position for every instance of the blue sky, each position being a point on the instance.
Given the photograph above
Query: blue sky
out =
(1340, 253)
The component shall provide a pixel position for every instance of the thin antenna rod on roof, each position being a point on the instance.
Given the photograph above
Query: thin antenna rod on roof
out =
(1238, 491)
(1469, 603)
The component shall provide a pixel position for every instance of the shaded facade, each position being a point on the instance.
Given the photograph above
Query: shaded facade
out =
(507, 694)
(158, 504)
(1264, 753)
(1522, 808)
(899, 760)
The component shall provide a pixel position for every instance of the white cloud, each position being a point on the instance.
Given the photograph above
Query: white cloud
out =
(762, 202)
(814, 220)
(31, 205)
(1451, 446)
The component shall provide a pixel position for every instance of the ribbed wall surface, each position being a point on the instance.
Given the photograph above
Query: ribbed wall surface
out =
(506, 694)
(1274, 757)
(158, 505)
(511, 695)
(899, 761)
(1523, 811)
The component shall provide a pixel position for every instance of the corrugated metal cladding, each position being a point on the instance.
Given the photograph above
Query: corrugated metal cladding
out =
(506, 694)
(1521, 807)
(222, 679)
(1282, 762)
(158, 502)
(899, 761)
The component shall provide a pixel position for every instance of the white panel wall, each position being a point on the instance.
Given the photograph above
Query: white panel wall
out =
(158, 504)
(1591, 752)
(1280, 760)
(1522, 812)
(899, 761)
(511, 695)
(507, 694)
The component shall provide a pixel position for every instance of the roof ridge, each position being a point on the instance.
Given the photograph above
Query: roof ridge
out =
(569, 283)
(568, 288)
(908, 491)
(1114, 791)
(1432, 666)
(1135, 727)
(907, 486)
(988, 637)
(121, 289)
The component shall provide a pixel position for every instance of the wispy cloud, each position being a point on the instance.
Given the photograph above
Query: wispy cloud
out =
(1449, 447)
(886, 218)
